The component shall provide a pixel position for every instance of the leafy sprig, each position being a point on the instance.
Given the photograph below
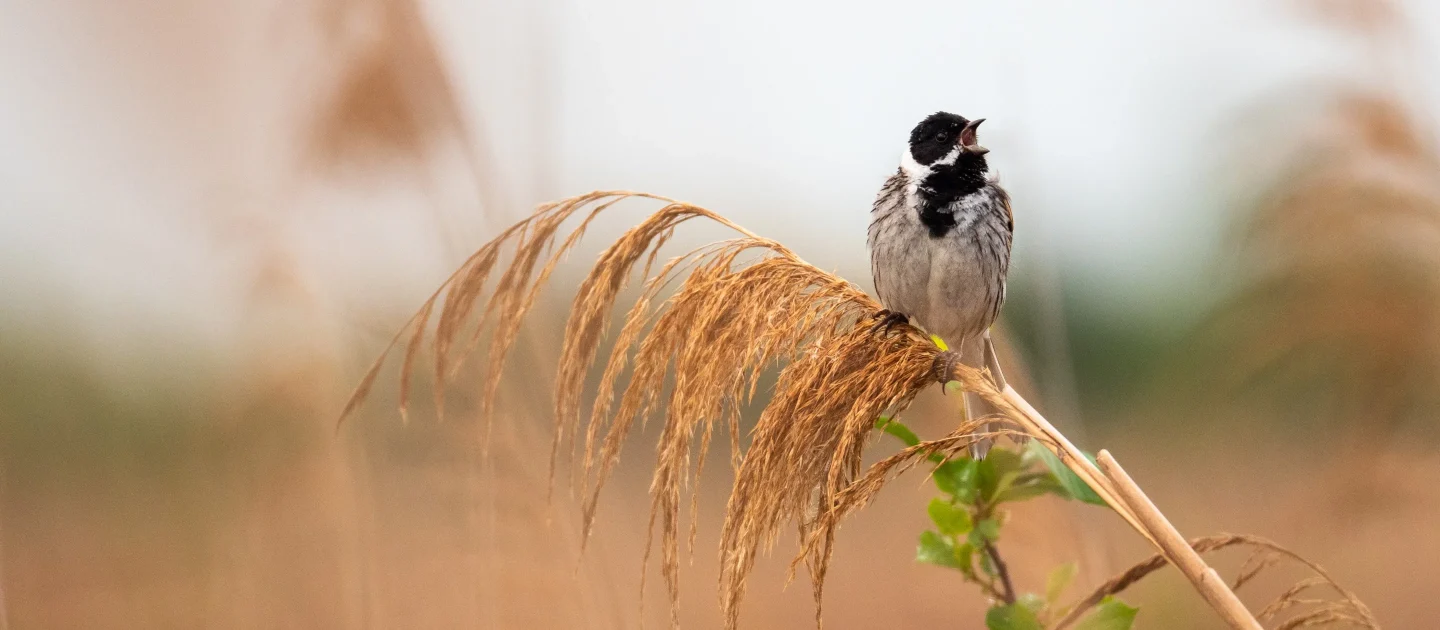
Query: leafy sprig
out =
(968, 517)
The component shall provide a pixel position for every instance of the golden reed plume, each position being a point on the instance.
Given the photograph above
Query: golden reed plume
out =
(742, 306)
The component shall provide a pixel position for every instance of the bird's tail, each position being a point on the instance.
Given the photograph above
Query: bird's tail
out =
(980, 447)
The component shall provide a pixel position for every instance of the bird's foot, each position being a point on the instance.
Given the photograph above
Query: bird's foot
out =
(948, 361)
(887, 319)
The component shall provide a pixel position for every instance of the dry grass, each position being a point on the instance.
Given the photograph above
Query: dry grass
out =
(1346, 610)
(745, 304)
(742, 306)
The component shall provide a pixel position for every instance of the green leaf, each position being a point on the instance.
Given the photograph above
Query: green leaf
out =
(1031, 601)
(950, 519)
(1031, 485)
(986, 530)
(958, 477)
(1005, 460)
(935, 549)
(1073, 484)
(1111, 614)
(1002, 487)
(1029, 458)
(898, 429)
(1059, 579)
(997, 471)
(1012, 617)
(986, 564)
(965, 555)
(989, 528)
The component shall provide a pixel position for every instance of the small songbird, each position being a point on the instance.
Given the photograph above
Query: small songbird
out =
(940, 240)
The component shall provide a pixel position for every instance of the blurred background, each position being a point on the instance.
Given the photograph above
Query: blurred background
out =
(214, 215)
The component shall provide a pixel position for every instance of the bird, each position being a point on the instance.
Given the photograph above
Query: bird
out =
(939, 240)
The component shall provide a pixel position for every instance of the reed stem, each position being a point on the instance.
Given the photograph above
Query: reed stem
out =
(1123, 495)
(1169, 541)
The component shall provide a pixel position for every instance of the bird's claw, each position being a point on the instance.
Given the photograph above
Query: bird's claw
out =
(887, 319)
(949, 360)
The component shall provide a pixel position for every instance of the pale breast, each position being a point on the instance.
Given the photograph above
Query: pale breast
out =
(899, 258)
(951, 285)
(968, 279)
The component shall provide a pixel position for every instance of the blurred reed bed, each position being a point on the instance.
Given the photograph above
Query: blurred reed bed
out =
(1321, 359)
(1340, 273)
(233, 504)
(1335, 314)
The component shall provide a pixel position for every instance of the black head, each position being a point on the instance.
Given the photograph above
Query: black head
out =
(948, 165)
(941, 133)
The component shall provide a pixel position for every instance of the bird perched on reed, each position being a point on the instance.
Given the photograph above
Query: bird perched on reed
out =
(939, 240)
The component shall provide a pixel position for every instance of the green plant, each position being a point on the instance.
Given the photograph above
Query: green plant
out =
(968, 518)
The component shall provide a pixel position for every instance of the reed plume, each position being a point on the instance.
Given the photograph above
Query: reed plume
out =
(740, 307)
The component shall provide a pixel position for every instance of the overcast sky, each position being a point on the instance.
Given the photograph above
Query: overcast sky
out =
(1106, 120)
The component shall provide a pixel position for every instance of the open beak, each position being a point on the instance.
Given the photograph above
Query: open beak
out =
(967, 138)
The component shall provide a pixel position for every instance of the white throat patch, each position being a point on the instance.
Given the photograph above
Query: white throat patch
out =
(913, 170)
(917, 171)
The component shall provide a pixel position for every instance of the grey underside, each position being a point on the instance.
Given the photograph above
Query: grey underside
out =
(952, 285)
